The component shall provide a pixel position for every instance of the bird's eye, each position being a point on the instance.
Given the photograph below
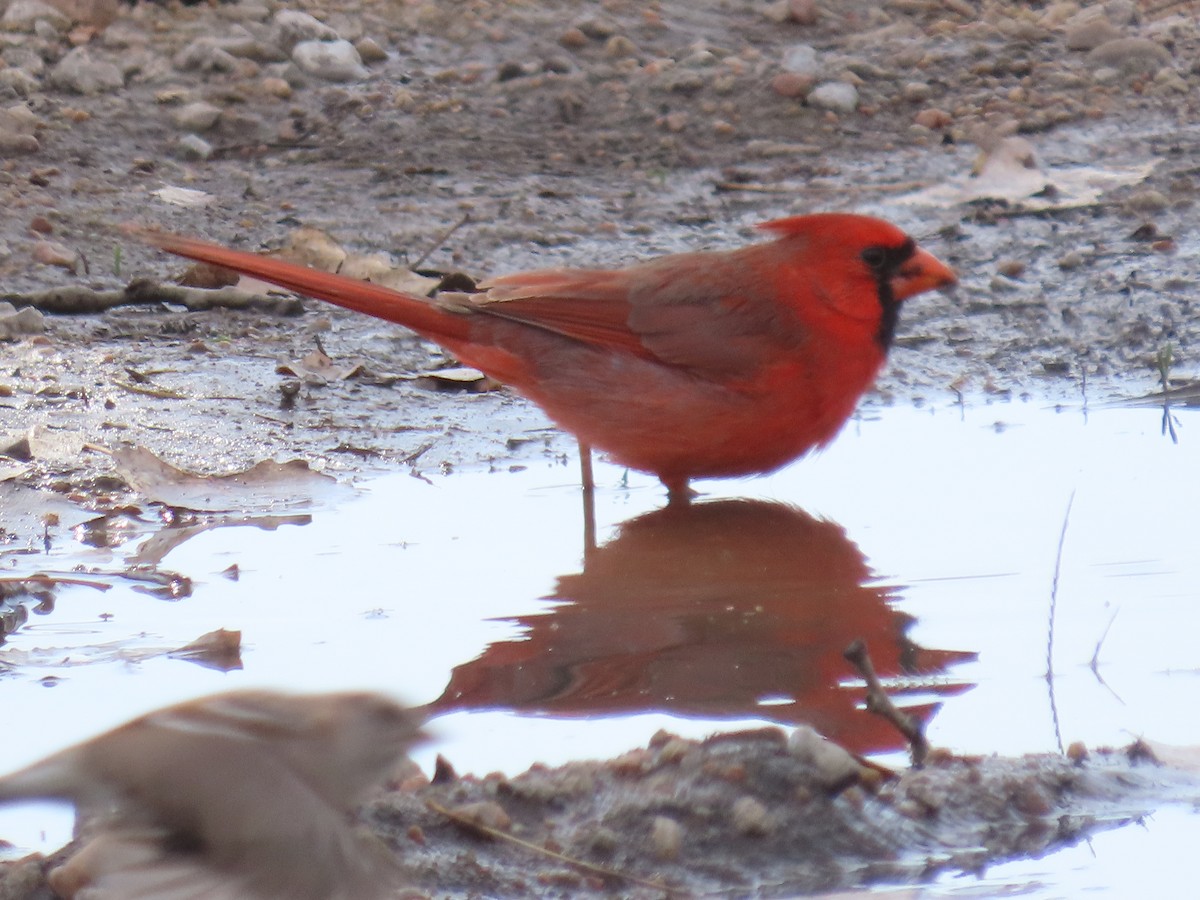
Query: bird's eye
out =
(875, 257)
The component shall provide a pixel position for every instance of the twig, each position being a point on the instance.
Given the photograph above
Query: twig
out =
(78, 300)
(471, 824)
(441, 239)
(46, 579)
(1095, 663)
(1164, 358)
(1062, 538)
(149, 390)
(879, 703)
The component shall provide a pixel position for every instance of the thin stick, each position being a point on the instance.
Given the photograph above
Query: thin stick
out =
(441, 239)
(1062, 537)
(879, 703)
(467, 822)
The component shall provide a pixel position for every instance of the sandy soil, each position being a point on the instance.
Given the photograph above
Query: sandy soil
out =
(566, 134)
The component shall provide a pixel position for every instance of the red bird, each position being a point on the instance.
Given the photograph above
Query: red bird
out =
(695, 365)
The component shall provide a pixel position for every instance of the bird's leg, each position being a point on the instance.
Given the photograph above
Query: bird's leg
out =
(589, 498)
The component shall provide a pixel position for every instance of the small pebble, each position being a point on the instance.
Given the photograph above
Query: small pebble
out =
(369, 51)
(804, 12)
(81, 73)
(198, 116)
(1011, 268)
(277, 87)
(329, 60)
(1070, 260)
(194, 148)
(573, 39)
(52, 253)
(666, 838)
(290, 27)
(1091, 34)
(23, 15)
(793, 84)
(934, 119)
(485, 813)
(834, 766)
(1147, 201)
(1130, 55)
(802, 60)
(837, 96)
(751, 818)
(917, 91)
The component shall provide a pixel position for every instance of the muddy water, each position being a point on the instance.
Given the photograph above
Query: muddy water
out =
(933, 533)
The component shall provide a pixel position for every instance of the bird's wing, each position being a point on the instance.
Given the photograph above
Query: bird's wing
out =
(706, 312)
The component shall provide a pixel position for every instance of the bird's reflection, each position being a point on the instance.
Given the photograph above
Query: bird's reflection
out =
(728, 609)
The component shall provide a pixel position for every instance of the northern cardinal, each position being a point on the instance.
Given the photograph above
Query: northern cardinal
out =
(239, 795)
(695, 365)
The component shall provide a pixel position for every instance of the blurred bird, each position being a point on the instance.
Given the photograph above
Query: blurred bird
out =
(239, 795)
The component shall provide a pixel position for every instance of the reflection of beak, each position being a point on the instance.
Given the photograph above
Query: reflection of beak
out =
(922, 272)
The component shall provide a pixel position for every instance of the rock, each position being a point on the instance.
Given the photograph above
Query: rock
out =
(793, 84)
(199, 116)
(1170, 80)
(1011, 268)
(484, 814)
(666, 838)
(24, 58)
(23, 15)
(1120, 12)
(206, 55)
(833, 766)
(933, 118)
(803, 12)
(17, 322)
(17, 127)
(52, 253)
(78, 71)
(751, 818)
(1073, 259)
(917, 91)
(96, 13)
(291, 27)
(277, 87)
(834, 95)
(1147, 201)
(370, 51)
(1090, 34)
(329, 60)
(777, 12)
(598, 29)
(1130, 55)
(802, 60)
(620, 47)
(573, 39)
(20, 82)
(194, 148)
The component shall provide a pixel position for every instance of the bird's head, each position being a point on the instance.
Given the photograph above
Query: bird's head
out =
(859, 266)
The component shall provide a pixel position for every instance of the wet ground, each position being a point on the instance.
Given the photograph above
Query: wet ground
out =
(935, 526)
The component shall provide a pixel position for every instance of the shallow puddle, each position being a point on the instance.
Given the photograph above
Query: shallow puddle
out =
(932, 533)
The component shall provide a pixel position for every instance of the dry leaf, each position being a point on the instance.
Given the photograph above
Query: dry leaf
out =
(314, 248)
(1010, 172)
(179, 196)
(264, 487)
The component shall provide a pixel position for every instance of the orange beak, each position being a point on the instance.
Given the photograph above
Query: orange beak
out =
(922, 272)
